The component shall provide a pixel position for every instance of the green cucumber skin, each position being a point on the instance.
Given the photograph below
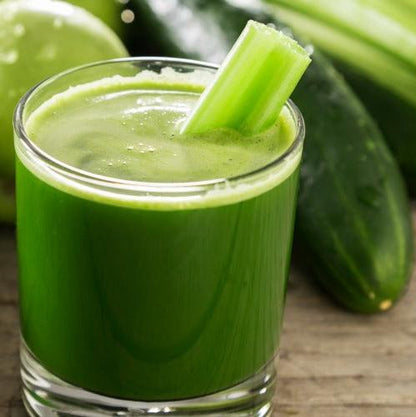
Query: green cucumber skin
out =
(396, 118)
(353, 220)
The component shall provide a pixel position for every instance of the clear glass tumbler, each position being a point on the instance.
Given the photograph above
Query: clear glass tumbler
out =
(139, 298)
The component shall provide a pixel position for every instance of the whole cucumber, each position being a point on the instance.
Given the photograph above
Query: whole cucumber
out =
(394, 115)
(353, 219)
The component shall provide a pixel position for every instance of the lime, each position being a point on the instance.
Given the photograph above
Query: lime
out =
(109, 11)
(37, 40)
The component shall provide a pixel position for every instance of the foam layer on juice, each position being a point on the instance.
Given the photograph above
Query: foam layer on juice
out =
(124, 130)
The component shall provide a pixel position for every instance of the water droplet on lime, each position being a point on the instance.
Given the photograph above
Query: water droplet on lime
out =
(58, 23)
(9, 57)
(19, 30)
(47, 53)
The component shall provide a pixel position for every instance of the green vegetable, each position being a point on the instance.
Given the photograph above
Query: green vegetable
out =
(395, 116)
(37, 40)
(353, 220)
(108, 11)
(256, 79)
(375, 41)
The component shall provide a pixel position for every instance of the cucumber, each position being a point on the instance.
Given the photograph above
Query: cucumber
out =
(375, 43)
(353, 221)
(394, 115)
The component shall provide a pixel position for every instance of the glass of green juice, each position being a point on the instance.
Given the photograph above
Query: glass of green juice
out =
(153, 265)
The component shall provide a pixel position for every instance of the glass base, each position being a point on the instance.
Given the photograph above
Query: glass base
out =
(45, 395)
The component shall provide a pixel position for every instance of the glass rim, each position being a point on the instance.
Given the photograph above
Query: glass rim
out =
(140, 186)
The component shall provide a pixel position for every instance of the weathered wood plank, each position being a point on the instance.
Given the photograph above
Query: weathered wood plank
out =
(8, 266)
(14, 411)
(345, 411)
(317, 391)
(300, 366)
(9, 392)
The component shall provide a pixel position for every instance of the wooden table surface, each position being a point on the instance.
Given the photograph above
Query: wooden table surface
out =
(333, 363)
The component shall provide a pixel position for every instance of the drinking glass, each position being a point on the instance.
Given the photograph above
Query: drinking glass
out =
(141, 298)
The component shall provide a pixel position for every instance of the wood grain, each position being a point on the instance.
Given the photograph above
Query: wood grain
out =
(332, 363)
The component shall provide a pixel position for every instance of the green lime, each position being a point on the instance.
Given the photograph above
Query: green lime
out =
(109, 11)
(39, 39)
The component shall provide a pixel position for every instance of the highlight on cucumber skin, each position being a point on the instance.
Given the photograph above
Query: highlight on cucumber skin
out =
(252, 85)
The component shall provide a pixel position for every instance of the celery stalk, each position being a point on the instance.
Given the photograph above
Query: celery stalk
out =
(368, 20)
(399, 11)
(410, 4)
(377, 37)
(254, 82)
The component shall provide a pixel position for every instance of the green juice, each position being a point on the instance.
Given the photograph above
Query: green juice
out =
(152, 295)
